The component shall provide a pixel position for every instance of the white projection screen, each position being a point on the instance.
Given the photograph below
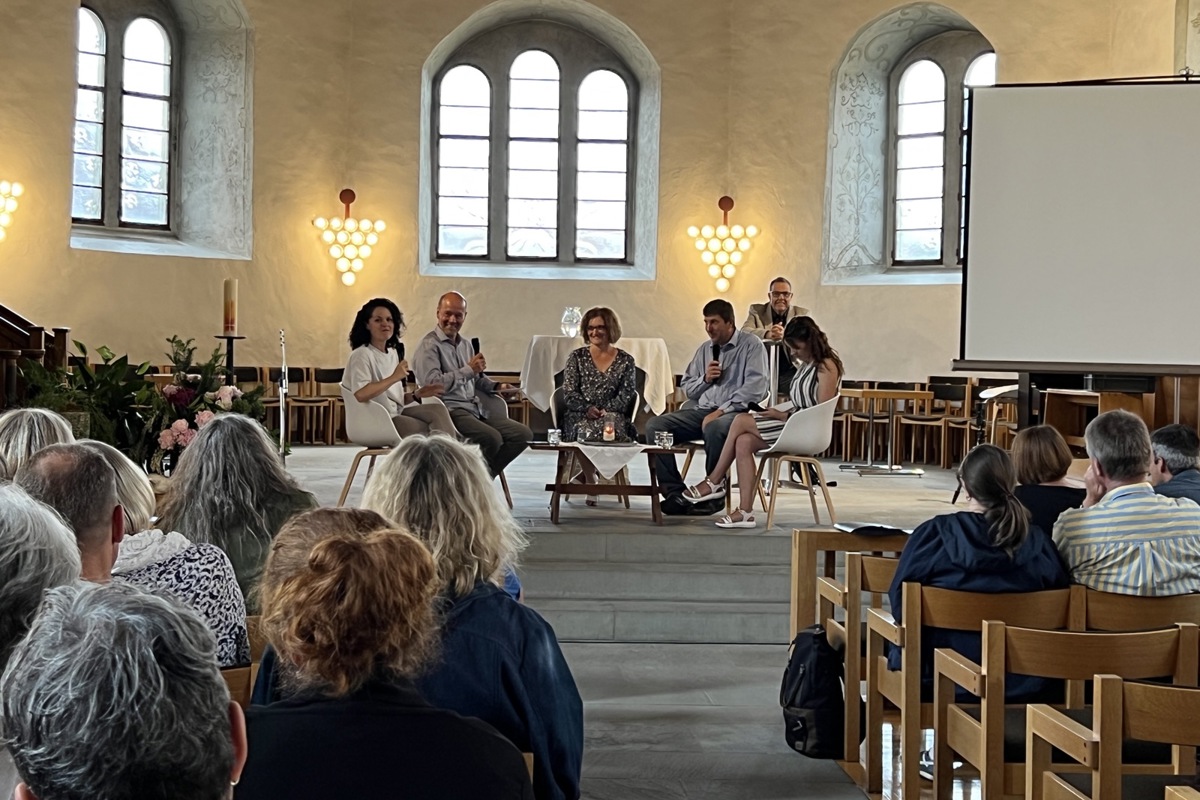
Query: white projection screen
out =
(1083, 237)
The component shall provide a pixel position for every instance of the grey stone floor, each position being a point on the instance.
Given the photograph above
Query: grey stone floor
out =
(682, 721)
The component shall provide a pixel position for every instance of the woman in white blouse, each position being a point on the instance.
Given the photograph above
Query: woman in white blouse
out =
(377, 372)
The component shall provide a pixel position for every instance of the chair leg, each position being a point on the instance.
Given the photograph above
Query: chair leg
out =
(775, 464)
(758, 484)
(824, 490)
(350, 478)
(806, 479)
(687, 463)
(504, 485)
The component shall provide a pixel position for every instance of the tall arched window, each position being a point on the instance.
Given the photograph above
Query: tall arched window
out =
(928, 147)
(125, 116)
(533, 152)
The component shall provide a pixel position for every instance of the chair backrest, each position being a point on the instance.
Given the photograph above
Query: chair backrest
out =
(247, 375)
(241, 684)
(258, 642)
(808, 431)
(1048, 609)
(493, 405)
(368, 424)
(950, 379)
(326, 378)
(875, 572)
(1150, 712)
(1121, 612)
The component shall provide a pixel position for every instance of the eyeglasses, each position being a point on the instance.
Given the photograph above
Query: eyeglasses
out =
(597, 328)
(781, 294)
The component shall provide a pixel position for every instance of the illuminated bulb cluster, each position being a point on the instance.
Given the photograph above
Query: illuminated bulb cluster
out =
(350, 242)
(723, 248)
(9, 192)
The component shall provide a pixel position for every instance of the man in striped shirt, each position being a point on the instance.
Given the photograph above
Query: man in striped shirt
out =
(1127, 539)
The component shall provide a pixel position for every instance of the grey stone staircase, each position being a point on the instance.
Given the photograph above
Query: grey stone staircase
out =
(675, 584)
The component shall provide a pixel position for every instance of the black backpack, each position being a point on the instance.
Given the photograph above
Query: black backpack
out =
(814, 705)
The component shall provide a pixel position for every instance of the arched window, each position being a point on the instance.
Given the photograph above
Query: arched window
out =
(125, 117)
(928, 162)
(534, 160)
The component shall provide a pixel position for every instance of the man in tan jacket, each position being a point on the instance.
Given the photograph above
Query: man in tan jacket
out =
(767, 321)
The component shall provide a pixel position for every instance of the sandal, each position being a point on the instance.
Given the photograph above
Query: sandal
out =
(692, 493)
(745, 519)
(592, 501)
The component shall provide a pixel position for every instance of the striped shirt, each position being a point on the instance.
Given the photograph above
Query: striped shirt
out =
(1133, 542)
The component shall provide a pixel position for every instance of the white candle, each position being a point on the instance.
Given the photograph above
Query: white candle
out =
(230, 326)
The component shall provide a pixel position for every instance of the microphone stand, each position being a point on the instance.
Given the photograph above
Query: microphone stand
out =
(283, 391)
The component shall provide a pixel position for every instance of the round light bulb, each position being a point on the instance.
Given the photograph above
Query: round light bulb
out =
(730, 245)
(722, 284)
(356, 265)
(364, 225)
(714, 244)
(343, 237)
(320, 223)
(327, 236)
(751, 231)
(700, 244)
(348, 278)
(743, 244)
(17, 190)
(729, 270)
(343, 264)
(5, 219)
(706, 257)
(737, 231)
(707, 231)
(351, 224)
(693, 231)
(379, 226)
(364, 251)
(722, 257)
(10, 205)
(357, 237)
(714, 271)
(5, 187)
(722, 231)
(735, 257)
(336, 251)
(336, 223)
(351, 251)
(372, 239)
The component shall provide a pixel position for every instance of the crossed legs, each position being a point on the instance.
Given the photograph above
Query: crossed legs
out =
(740, 446)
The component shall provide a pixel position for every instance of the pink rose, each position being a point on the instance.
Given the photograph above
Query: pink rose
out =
(203, 418)
(179, 426)
(169, 389)
(186, 437)
(166, 439)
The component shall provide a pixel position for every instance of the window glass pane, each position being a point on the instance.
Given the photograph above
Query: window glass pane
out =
(924, 151)
(911, 214)
(89, 105)
(922, 82)
(532, 242)
(533, 184)
(601, 186)
(91, 33)
(921, 118)
(148, 145)
(143, 176)
(919, 245)
(463, 153)
(599, 244)
(85, 203)
(530, 124)
(89, 170)
(600, 215)
(612, 125)
(142, 112)
(602, 157)
(144, 209)
(533, 94)
(146, 78)
(463, 182)
(533, 155)
(534, 65)
(462, 211)
(465, 86)
(460, 121)
(603, 90)
(918, 183)
(145, 40)
(982, 71)
(90, 70)
(532, 213)
(462, 241)
(89, 138)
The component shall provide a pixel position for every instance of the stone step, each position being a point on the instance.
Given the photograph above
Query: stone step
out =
(601, 580)
(685, 547)
(665, 621)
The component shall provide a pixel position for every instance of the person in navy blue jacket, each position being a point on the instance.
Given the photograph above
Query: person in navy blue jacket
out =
(990, 548)
(500, 660)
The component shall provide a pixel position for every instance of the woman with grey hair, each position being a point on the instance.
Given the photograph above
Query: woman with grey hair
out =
(230, 489)
(500, 660)
(116, 693)
(198, 574)
(37, 552)
(24, 431)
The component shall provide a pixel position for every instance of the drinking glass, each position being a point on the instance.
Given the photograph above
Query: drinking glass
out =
(554, 436)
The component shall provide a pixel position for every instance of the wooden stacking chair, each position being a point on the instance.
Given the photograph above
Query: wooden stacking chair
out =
(977, 733)
(326, 384)
(860, 419)
(871, 574)
(950, 402)
(1150, 712)
(240, 681)
(926, 607)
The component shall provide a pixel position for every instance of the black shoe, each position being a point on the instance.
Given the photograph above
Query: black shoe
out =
(675, 506)
(705, 509)
(925, 765)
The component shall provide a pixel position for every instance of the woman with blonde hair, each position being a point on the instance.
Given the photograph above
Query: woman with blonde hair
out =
(1041, 457)
(199, 575)
(24, 431)
(500, 660)
(348, 606)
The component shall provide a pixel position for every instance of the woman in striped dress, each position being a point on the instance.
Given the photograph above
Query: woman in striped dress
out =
(818, 377)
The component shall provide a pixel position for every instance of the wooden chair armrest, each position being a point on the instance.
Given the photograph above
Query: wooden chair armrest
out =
(963, 671)
(1181, 793)
(882, 623)
(1062, 732)
(832, 590)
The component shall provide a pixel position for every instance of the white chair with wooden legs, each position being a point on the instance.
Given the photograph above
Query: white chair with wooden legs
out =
(368, 424)
(806, 433)
(496, 406)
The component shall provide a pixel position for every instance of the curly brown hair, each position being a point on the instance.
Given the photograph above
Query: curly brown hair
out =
(347, 597)
(608, 317)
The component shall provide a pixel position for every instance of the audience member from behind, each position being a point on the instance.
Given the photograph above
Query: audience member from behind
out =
(230, 489)
(1173, 468)
(500, 660)
(37, 552)
(79, 484)
(200, 575)
(1127, 539)
(116, 693)
(351, 616)
(24, 431)
(1041, 457)
(989, 548)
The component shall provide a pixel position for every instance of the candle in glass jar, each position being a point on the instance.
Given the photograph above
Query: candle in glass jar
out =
(610, 430)
(230, 307)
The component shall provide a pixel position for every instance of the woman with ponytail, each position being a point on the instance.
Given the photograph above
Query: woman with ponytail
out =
(990, 548)
(348, 606)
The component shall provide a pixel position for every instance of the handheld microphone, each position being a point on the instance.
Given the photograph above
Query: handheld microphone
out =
(475, 345)
(400, 351)
(716, 355)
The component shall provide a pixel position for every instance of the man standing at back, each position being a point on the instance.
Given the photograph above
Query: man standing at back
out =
(726, 375)
(767, 321)
(445, 358)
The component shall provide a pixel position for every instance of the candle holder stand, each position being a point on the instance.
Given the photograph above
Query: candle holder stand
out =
(229, 340)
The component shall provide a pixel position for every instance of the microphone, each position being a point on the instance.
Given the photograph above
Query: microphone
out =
(400, 351)
(475, 344)
(716, 356)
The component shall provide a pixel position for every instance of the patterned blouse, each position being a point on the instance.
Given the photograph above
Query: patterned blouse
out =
(585, 386)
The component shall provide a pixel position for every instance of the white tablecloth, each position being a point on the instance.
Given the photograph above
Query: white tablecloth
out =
(547, 355)
(608, 461)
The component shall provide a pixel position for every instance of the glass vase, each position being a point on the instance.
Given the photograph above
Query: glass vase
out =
(571, 318)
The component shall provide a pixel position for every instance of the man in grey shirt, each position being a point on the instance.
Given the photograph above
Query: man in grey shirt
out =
(447, 359)
(727, 374)
(1173, 470)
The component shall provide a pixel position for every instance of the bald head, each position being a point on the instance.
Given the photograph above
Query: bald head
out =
(451, 314)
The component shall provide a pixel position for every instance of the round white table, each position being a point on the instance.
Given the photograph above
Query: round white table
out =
(547, 355)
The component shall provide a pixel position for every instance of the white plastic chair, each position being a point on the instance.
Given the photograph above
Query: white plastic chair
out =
(496, 406)
(368, 424)
(806, 433)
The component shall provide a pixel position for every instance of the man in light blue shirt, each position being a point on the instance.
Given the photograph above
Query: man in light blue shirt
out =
(727, 374)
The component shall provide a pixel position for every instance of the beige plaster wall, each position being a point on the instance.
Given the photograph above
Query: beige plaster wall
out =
(746, 90)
